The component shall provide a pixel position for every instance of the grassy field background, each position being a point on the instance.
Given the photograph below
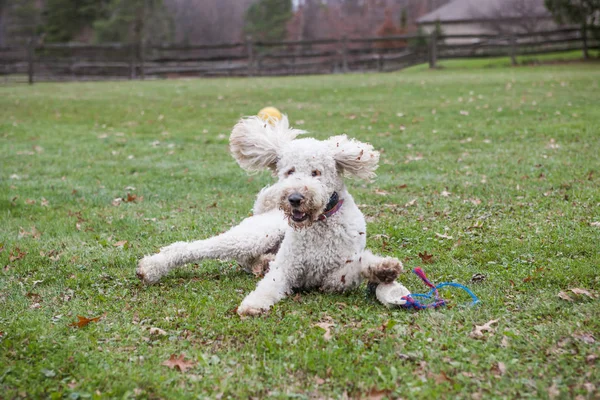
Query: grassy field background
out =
(494, 172)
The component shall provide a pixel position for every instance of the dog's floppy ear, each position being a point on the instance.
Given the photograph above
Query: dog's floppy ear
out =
(255, 144)
(354, 158)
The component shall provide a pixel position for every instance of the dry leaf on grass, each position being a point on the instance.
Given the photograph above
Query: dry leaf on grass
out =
(157, 331)
(590, 387)
(120, 243)
(178, 362)
(327, 327)
(480, 329)
(443, 236)
(16, 254)
(83, 321)
(426, 258)
(553, 391)
(34, 233)
(441, 378)
(499, 369)
(587, 338)
(133, 198)
(377, 394)
(582, 292)
(411, 203)
(565, 296)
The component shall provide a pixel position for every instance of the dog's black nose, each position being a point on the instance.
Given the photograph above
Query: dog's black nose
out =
(295, 199)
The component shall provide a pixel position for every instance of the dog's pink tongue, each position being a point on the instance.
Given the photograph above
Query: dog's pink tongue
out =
(297, 214)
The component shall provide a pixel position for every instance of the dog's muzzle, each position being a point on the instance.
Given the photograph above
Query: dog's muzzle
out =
(296, 200)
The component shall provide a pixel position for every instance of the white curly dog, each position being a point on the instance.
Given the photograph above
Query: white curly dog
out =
(306, 232)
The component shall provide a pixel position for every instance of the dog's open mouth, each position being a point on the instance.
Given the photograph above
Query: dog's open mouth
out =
(299, 216)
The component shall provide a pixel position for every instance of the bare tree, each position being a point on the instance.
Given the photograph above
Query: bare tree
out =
(208, 21)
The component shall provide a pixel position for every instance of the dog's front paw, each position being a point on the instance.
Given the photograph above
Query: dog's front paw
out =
(245, 310)
(149, 269)
(386, 271)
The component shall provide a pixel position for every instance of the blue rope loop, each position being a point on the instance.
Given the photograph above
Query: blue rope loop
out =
(412, 303)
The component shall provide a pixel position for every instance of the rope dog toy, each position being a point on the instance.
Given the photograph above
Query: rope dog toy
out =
(413, 303)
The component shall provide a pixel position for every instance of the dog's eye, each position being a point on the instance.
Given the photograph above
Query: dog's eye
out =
(290, 172)
(316, 172)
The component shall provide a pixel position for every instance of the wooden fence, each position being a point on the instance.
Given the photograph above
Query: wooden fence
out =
(77, 61)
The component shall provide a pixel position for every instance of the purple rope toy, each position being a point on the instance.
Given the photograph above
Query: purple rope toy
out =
(411, 302)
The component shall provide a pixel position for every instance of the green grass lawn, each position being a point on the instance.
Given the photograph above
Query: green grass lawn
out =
(492, 171)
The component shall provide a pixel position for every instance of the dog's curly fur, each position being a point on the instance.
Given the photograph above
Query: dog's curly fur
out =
(307, 252)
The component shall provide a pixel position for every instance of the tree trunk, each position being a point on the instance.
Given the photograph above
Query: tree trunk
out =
(586, 54)
(433, 50)
(513, 49)
(30, 59)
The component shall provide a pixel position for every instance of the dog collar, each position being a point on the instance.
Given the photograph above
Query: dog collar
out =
(335, 203)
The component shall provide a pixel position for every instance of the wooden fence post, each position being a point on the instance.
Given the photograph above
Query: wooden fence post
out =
(250, 51)
(344, 54)
(513, 49)
(30, 59)
(142, 49)
(586, 54)
(433, 50)
(131, 61)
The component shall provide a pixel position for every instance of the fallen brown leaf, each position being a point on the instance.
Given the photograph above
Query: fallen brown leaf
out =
(16, 254)
(157, 331)
(83, 321)
(377, 394)
(133, 198)
(591, 359)
(120, 243)
(426, 258)
(587, 338)
(34, 233)
(564, 296)
(326, 326)
(583, 292)
(178, 362)
(553, 391)
(443, 236)
(411, 203)
(479, 329)
(590, 387)
(441, 378)
(499, 369)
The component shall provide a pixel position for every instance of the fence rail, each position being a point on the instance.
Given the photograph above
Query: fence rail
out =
(79, 61)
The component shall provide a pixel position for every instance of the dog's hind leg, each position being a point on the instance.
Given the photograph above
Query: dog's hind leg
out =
(245, 243)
